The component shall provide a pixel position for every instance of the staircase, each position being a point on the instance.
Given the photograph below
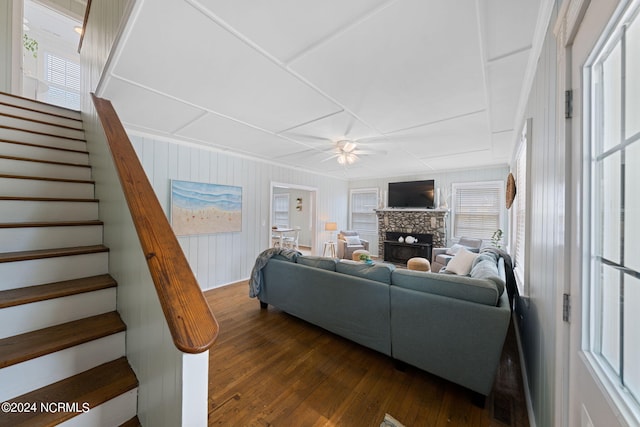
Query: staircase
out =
(62, 342)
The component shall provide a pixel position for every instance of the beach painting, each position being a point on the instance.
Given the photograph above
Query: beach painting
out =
(201, 208)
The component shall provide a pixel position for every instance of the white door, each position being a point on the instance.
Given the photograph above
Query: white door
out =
(603, 70)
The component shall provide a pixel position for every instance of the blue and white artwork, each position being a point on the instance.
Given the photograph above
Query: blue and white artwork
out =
(201, 208)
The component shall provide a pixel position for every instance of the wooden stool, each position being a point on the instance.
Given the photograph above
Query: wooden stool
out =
(419, 264)
(355, 256)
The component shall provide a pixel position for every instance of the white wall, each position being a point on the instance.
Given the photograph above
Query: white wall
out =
(162, 371)
(219, 259)
(538, 311)
(443, 181)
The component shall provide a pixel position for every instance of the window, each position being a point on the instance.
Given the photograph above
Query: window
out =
(63, 78)
(519, 209)
(477, 209)
(363, 216)
(613, 212)
(281, 210)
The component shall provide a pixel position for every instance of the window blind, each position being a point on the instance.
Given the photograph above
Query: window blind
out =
(476, 209)
(363, 205)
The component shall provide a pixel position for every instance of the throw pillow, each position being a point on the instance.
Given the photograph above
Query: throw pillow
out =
(454, 249)
(352, 240)
(462, 262)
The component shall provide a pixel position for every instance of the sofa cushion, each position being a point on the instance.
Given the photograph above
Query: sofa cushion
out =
(454, 249)
(487, 268)
(462, 262)
(324, 263)
(380, 272)
(481, 291)
(352, 240)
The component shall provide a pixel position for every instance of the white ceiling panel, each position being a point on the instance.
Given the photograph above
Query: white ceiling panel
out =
(469, 132)
(508, 25)
(148, 110)
(505, 83)
(435, 84)
(413, 62)
(331, 129)
(204, 64)
(228, 134)
(287, 28)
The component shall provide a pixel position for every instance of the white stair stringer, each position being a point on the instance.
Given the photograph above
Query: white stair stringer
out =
(42, 152)
(44, 168)
(36, 373)
(54, 269)
(33, 210)
(38, 106)
(54, 235)
(40, 127)
(37, 271)
(38, 116)
(45, 187)
(114, 412)
(24, 318)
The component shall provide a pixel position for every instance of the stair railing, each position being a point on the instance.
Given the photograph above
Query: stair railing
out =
(192, 325)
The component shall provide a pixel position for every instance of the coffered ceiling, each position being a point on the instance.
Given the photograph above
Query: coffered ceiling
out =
(424, 85)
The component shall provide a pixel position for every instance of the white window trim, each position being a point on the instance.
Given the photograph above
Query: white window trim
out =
(274, 213)
(609, 381)
(351, 208)
(483, 184)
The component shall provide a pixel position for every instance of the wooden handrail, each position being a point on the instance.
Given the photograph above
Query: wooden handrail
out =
(190, 320)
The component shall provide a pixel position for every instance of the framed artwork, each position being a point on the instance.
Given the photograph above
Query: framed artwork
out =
(201, 208)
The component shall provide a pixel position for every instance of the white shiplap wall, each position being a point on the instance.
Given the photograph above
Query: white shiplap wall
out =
(219, 259)
(443, 181)
(538, 311)
(165, 375)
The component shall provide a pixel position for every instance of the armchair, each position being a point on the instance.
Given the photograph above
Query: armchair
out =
(440, 257)
(349, 241)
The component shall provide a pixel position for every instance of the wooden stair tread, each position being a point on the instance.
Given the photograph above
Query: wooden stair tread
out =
(40, 122)
(46, 199)
(8, 141)
(27, 346)
(51, 253)
(133, 422)
(53, 135)
(50, 162)
(42, 178)
(50, 224)
(95, 387)
(35, 102)
(30, 294)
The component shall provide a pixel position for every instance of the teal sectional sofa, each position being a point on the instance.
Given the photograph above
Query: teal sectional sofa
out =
(451, 326)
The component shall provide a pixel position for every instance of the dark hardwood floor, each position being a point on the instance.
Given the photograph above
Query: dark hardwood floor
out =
(269, 368)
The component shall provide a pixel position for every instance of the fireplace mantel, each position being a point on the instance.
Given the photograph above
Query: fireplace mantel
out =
(412, 221)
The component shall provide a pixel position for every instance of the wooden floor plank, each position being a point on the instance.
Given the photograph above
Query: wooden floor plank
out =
(269, 368)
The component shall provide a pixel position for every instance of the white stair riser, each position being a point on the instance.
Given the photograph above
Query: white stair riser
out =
(39, 106)
(111, 413)
(31, 211)
(19, 123)
(42, 314)
(40, 139)
(45, 170)
(48, 270)
(41, 117)
(39, 153)
(33, 374)
(34, 238)
(18, 187)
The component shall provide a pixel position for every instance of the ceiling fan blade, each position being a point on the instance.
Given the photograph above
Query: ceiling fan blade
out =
(303, 135)
(330, 157)
(368, 151)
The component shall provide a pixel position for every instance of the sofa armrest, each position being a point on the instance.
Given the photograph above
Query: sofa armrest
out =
(365, 243)
(341, 247)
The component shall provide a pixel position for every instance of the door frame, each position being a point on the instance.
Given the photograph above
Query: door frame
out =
(313, 206)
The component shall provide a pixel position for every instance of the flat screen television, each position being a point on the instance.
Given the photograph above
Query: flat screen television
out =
(411, 194)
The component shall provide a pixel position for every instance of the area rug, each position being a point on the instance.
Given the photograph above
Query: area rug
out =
(389, 421)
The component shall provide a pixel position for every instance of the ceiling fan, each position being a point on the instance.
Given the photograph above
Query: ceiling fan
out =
(346, 152)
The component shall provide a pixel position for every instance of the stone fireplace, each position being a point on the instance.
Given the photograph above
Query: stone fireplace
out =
(427, 225)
